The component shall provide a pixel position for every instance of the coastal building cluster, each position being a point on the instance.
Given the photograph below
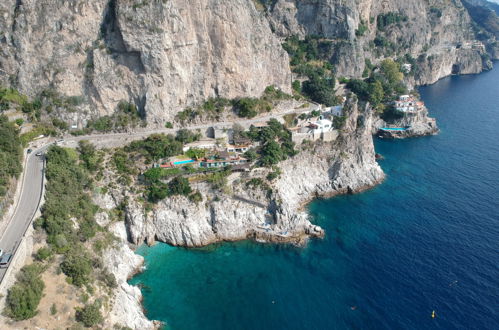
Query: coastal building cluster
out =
(317, 126)
(218, 152)
(408, 104)
(222, 147)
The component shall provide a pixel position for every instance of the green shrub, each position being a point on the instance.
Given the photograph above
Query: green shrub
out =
(77, 266)
(187, 136)
(361, 30)
(43, 254)
(123, 163)
(196, 153)
(218, 180)
(385, 20)
(25, 295)
(251, 155)
(168, 125)
(320, 89)
(196, 197)
(156, 146)
(157, 191)
(188, 114)
(109, 279)
(126, 115)
(90, 315)
(88, 155)
(179, 186)
(53, 309)
(246, 107)
(297, 86)
(274, 174)
(10, 154)
(271, 153)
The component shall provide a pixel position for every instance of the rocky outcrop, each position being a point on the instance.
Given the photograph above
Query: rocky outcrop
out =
(126, 307)
(272, 213)
(123, 263)
(346, 166)
(244, 213)
(409, 125)
(160, 55)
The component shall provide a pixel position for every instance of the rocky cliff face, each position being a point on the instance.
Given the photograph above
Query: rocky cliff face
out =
(166, 55)
(160, 55)
(431, 31)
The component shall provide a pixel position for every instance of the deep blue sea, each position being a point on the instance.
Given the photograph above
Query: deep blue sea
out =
(426, 239)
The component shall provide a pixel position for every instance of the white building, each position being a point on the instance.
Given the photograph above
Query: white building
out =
(321, 126)
(240, 148)
(407, 103)
(201, 144)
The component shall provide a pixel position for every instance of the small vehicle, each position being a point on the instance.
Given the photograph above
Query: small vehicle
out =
(29, 150)
(39, 154)
(4, 261)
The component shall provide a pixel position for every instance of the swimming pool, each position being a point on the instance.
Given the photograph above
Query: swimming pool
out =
(394, 128)
(181, 162)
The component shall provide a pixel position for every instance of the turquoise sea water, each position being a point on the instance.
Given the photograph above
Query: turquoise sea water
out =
(426, 239)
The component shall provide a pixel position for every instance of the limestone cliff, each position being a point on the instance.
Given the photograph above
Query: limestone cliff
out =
(166, 55)
(160, 55)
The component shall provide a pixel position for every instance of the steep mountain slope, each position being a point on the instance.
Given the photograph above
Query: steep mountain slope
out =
(160, 55)
(431, 31)
(166, 55)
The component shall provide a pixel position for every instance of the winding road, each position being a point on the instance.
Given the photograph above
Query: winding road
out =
(28, 202)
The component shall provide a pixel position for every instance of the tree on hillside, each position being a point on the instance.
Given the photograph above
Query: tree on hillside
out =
(376, 93)
(391, 71)
(179, 186)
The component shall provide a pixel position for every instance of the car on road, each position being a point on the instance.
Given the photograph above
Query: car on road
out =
(39, 154)
(29, 151)
(4, 261)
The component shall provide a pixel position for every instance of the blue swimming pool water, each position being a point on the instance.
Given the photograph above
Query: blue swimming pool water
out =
(394, 128)
(426, 239)
(181, 162)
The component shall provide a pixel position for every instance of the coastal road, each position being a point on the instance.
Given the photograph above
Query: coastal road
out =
(102, 140)
(31, 192)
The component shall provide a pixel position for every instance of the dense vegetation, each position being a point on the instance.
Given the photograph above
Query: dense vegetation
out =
(388, 19)
(310, 59)
(276, 143)
(126, 115)
(68, 220)
(67, 198)
(158, 190)
(381, 86)
(10, 154)
(156, 146)
(246, 107)
(25, 295)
